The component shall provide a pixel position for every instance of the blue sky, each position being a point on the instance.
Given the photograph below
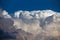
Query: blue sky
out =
(15, 5)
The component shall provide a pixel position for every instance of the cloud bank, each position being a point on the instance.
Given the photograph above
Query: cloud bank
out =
(44, 23)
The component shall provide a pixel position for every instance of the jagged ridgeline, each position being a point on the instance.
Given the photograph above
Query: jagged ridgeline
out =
(30, 25)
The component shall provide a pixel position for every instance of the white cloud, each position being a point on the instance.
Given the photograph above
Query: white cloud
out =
(5, 14)
(36, 14)
(16, 14)
(30, 21)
